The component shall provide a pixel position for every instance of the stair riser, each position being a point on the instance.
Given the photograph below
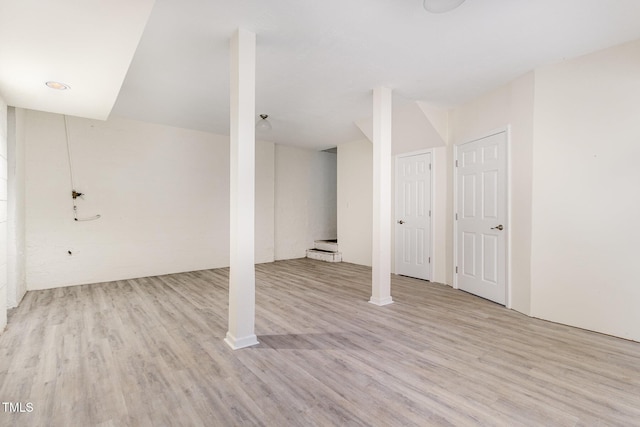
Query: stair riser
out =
(326, 246)
(325, 256)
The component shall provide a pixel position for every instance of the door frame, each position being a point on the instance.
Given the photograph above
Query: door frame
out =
(507, 131)
(395, 206)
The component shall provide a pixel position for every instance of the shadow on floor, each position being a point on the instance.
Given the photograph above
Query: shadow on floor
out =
(319, 341)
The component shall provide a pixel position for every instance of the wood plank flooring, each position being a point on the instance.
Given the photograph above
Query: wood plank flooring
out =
(150, 352)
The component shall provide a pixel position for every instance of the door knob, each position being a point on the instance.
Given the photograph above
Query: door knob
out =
(499, 227)
(401, 222)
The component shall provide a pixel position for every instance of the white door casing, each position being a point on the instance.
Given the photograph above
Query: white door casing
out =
(413, 233)
(481, 215)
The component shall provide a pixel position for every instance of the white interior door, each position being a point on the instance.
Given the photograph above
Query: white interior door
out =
(481, 213)
(413, 216)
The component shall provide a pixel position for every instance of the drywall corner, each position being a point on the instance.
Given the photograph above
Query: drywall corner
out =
(355, 201)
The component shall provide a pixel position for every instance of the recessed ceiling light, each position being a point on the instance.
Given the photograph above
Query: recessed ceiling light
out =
(57, 85)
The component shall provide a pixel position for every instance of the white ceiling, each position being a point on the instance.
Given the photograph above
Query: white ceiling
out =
(317, 61)
(85, 44)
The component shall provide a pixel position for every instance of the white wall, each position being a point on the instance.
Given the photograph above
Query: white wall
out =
(163, 194)
(510, 105)
(574, 139)
(3, 214)
(438, 119)
(412, 128)
(305, 200)
(412, 131)
(16, 273)
(355, 201)
(439, 201)
(585, 190)
(265, 247)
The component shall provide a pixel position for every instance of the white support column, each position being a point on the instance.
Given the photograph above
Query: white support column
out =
(242, 279)
(381, 242)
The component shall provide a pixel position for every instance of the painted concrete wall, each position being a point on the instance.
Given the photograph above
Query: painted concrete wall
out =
(510, 105)
(16, 269)
(162, 192)
(355, 201)
(585, 192)
(3, 214)
(305, 200)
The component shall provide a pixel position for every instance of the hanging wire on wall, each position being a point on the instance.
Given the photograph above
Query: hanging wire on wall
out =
(74, 194)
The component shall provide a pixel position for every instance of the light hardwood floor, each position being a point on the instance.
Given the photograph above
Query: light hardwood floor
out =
(150, 352)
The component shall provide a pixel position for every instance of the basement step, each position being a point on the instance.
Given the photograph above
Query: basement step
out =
(325, 250)
(326, 245)
(326, 256)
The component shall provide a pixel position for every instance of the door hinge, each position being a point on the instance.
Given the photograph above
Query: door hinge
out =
(456, 270)
(456, 163)
(429, 260)
(429, 213)
(429, 166)
(456, 216)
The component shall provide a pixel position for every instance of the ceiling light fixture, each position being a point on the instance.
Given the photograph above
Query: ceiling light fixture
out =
(441, 6)
(263, 124)
(57, 85)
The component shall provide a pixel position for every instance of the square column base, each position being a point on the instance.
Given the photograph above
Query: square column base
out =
(381, 301)
(238, 343)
